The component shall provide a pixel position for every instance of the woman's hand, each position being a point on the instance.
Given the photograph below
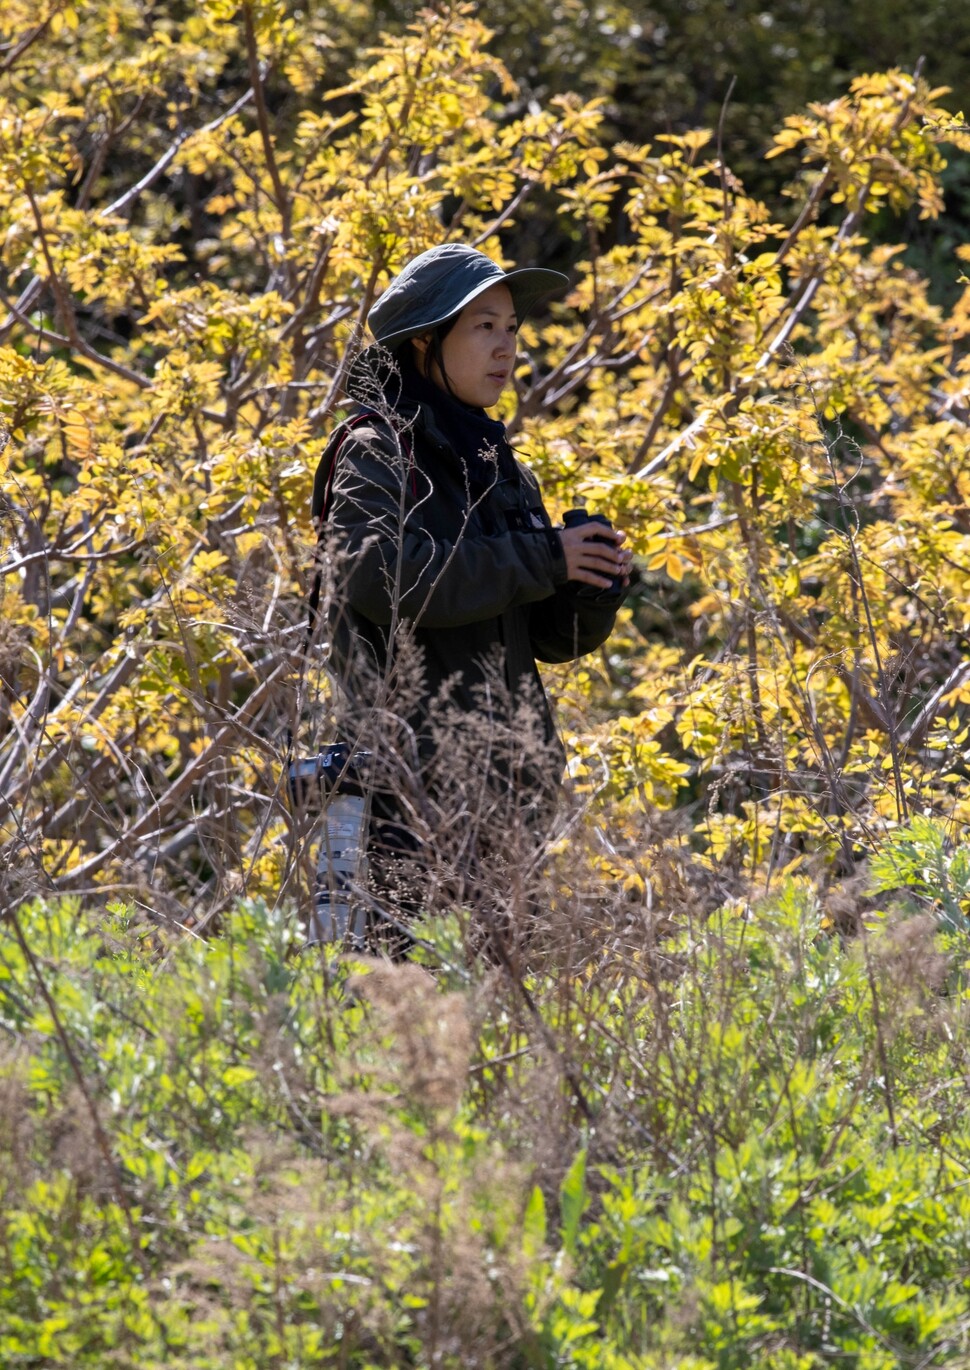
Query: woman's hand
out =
(592, 558)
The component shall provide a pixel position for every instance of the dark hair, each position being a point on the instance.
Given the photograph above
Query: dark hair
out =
(435, 352)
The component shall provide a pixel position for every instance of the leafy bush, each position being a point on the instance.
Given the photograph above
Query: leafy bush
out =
(198, 206)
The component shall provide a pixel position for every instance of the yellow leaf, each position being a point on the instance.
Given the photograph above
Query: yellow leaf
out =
(675, 566)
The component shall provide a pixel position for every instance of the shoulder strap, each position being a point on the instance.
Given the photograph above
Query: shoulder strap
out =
(320, 507)
(323, 479)
(320, 502)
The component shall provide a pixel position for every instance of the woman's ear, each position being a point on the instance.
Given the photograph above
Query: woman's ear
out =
(421, 352)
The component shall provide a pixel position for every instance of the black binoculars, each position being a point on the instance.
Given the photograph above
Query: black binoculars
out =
(571, 518)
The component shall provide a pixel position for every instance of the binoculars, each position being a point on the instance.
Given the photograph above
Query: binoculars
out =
(573, 517)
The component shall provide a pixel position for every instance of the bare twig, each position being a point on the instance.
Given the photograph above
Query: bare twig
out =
(33, 290)
(147, 824)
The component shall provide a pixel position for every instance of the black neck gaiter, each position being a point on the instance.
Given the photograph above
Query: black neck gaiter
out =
(479, 442)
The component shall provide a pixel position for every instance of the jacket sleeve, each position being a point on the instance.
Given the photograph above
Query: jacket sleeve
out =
(568, 626)
(388, 555)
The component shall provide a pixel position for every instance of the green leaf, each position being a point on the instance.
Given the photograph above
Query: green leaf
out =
(572, 1201)
(534, 1225)
(237, 1075)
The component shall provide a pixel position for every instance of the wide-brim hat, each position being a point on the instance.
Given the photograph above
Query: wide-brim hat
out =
(440, 282)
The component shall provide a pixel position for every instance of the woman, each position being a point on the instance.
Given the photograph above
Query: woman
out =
(450, 583)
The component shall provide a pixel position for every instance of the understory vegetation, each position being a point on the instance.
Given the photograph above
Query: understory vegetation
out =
(743, 1142)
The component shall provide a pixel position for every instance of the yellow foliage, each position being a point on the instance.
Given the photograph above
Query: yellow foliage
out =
(193, 224)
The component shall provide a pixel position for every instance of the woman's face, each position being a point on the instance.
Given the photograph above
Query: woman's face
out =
(479, 351)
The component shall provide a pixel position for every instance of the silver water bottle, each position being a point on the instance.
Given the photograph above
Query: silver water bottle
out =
(333, 783)
(341, 864)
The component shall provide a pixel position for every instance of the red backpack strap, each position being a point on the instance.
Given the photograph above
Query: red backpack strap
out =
(322, 495)
(323, 479)
(320, 508)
